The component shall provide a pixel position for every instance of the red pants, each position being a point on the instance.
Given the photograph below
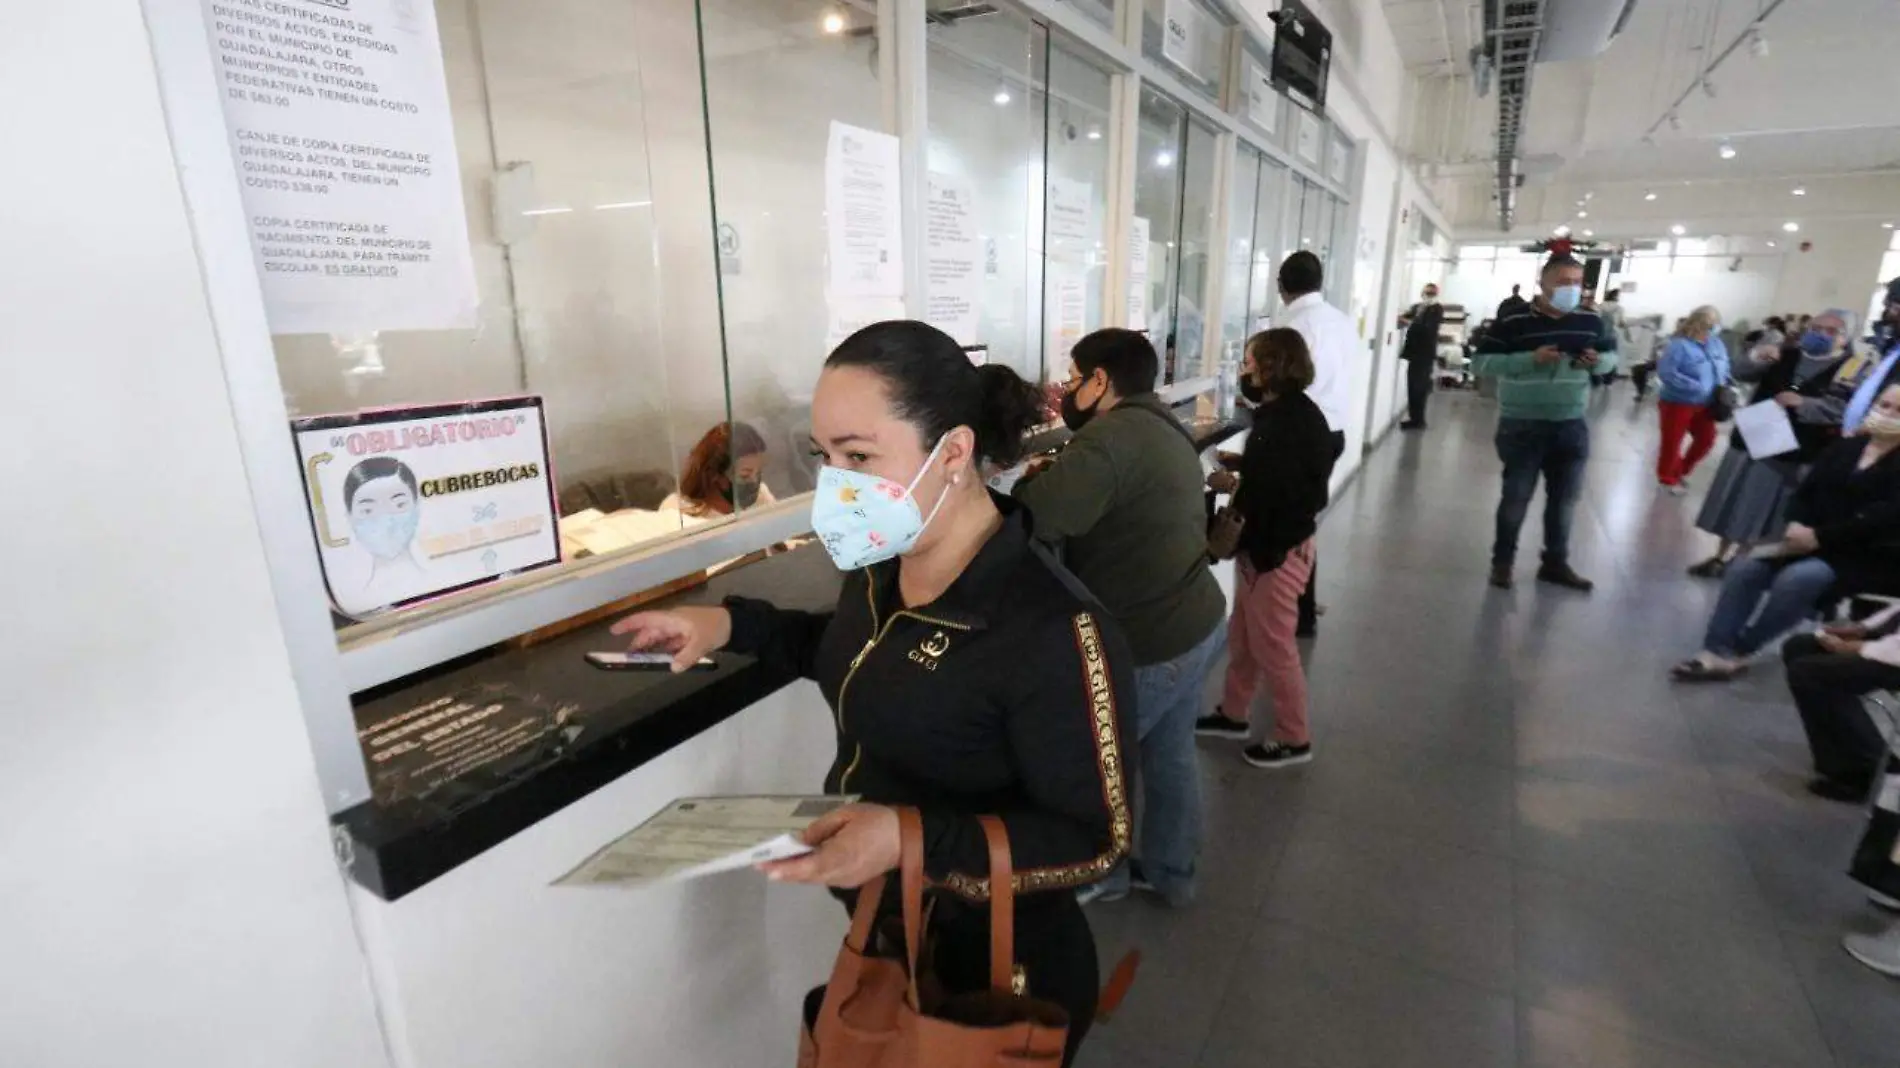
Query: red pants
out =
(1260, 643)
(1672, 466)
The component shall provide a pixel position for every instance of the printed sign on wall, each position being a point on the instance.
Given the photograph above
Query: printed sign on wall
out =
(338, 114)
(412, 503)
(1263, 103)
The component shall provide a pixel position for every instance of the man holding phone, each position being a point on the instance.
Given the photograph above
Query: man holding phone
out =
(1543, 360)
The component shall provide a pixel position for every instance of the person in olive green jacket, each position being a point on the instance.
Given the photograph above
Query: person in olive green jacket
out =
(1124, 501)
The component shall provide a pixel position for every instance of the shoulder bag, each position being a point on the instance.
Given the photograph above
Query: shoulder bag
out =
(889, 1013)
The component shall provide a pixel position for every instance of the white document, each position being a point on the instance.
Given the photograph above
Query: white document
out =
(863, 213)
(1138, 273)
(1180, 35)
(697, 836)
(1263, 103)
(1308, 136)
(848, 315)
(1071, 219)
(1068, 305)
(954, 266)
(339, 117)
(1766, 430)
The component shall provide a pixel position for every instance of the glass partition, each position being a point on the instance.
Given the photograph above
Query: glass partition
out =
(1196, 256)
(1078, 99)
(782, 77)
(1269, 224)
(986, 110)
(1237, 274)
(1152, 278)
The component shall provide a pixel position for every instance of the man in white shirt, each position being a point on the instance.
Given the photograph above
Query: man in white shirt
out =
(1333, 342)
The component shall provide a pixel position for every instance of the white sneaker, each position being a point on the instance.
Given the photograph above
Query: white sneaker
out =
(1882, 901)
(1880, 952)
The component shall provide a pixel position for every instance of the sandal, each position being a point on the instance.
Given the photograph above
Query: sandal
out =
(1694, 670)
(1713, 567)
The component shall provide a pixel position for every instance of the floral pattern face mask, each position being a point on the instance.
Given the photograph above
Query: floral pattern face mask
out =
(863, 519)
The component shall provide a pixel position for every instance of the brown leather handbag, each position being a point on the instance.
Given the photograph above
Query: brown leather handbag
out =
(885, 1013)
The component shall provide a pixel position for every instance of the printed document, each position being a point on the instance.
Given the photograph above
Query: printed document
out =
(1766, 430)
(697, 836)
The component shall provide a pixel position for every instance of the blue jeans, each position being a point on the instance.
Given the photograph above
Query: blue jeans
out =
(1168, 834)
(1532, 447)
(1794, 589)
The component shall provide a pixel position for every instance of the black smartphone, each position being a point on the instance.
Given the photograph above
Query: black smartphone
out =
(643, 662)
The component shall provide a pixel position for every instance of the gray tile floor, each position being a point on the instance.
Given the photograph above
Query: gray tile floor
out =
(1519, 844)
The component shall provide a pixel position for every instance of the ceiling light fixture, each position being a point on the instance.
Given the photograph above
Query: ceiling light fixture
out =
(1589, 233)
(1562, 231)
(1727, 151)
(1886, 226)
(1094, 134)
(833, 23)
(1001, 97)
(1649, 196)
(1678, 229)
(1799, 190)
(1164, 158)
(1771, 244)
(1583, 215)
(1791, 227)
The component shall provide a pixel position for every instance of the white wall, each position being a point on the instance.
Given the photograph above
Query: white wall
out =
(168, 887)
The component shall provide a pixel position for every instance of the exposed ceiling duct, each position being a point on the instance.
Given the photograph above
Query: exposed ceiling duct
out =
(1520, 33)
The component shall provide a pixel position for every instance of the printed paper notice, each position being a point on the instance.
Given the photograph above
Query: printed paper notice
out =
(698, 836)
(1068, 310)
(1766, 430)
(1181, 35)
(1138, 274)
(1071, 219)
(339, 117)
(848, 315)
(955, 263)
(410, 503)
(1308, 143)
(1263, 104)
(863, 213)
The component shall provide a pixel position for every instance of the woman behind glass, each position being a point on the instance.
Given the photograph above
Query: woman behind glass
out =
(969, 675)
(1748, 500)
(1279, 491)
(1844, 524)
(724, 473)
(1692, 368)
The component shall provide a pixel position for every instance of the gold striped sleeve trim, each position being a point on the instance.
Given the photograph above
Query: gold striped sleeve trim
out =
(1099, 689)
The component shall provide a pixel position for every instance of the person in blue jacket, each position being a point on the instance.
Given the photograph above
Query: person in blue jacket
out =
(1692, 368)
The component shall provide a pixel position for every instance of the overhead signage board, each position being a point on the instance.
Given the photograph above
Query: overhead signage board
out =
(412, 503)
(1302, 54)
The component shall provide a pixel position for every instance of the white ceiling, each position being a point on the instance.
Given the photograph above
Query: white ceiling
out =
(1819, 103)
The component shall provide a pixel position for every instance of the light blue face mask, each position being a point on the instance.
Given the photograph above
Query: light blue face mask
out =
(386, 537)
(1566, 298)
(863, 519)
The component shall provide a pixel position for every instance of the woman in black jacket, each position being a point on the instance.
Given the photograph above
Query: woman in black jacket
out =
(1279, 491)
(1843, 538)
(1748, 501)
(968, 673)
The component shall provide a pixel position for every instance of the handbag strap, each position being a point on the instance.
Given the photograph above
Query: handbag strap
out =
(1002, 906)
(910, 827)
(864, 917)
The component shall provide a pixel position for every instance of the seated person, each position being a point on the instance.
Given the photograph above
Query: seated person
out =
(1843, 530)
(724, 473)
(1828, 674)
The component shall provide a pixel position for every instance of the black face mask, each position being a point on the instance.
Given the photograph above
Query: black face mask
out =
(1252, 391)
(1074, 416)
(743, 493)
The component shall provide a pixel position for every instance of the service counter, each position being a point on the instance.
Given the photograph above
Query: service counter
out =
(467, 755)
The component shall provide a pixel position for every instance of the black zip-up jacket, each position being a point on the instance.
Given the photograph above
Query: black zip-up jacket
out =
(1284, 477)
(1855, 514)
(1009, 695)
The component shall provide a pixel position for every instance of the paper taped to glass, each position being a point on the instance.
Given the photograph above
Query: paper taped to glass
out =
(697, 836)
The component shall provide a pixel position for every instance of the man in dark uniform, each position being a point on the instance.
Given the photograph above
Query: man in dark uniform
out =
(1515, 304)
(1420, 354)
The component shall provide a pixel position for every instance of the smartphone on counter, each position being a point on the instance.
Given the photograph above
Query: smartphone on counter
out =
(643, 662)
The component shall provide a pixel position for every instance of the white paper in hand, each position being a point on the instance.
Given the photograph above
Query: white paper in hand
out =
(698, 836)
(1766, 429)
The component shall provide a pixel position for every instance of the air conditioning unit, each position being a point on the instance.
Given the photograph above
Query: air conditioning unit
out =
(1580, 29)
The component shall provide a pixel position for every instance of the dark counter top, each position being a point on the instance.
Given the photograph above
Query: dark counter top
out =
(599, 726)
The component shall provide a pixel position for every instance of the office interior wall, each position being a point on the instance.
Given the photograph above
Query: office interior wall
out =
(169, 886)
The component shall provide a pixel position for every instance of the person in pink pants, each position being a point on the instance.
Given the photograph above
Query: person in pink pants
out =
(1280, 486)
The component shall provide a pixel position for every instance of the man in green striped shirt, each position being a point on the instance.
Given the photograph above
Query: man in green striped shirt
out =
(1543, 360)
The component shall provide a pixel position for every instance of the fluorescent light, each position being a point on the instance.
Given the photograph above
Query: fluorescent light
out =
(1799, 190)
(1094, 134)
(834, 22)
(1727, 151)
(1589, 233)
(1678, 229)
(1649, 196)
(1791, 227)
(1001, 97)
(547, 211)
(1164, 158)
(1771, 244)
(1583, 215)
(618, 204)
